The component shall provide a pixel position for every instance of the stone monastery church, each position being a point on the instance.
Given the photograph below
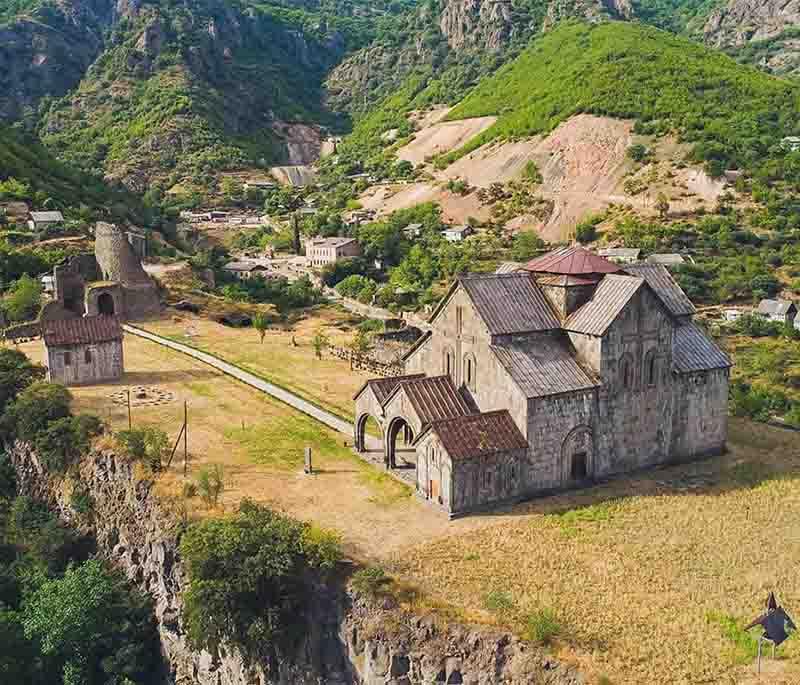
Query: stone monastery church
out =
(570, 369)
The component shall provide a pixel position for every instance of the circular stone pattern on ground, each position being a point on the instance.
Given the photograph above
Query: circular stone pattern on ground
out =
(143, 396)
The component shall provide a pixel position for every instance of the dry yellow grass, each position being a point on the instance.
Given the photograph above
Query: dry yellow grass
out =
(651, 576)
(328, 382)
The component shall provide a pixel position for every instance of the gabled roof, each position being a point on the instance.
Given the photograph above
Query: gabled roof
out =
(776, 307)
(479, 435)
(244, 266)
(384, 387)
(86, 330)
(510, 303)
(609, 299)
(47, 217)
(573, 261)
(508, 268)
(544, 366)
(624, 252)
(672, 259)
(664, 286)
(693, 350)
(433, 398)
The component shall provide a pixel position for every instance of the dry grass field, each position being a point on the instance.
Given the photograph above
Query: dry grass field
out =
(327, 382)
(650, 578)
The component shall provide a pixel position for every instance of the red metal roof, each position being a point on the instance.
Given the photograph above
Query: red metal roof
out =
(86, 330)
(477, 435)
(572, 261)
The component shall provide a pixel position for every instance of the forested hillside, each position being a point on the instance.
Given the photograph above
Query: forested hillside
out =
(736, 115)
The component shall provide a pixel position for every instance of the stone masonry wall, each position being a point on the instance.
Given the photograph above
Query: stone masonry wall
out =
(350, 640)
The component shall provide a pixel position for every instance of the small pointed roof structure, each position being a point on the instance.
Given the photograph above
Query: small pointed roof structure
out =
(572, 261)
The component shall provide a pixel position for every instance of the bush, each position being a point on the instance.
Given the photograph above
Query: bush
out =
(249, 579)
(24, 299)
(531, 172)
(638, 152)
(543, 626)
(16, 373)
(81, 499)
(210, 484)
(62, 443)
(369, 581)
(499, 602)
(756, 326)
(34, 410)
(145, 444)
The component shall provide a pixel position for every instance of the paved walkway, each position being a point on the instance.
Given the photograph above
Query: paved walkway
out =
(325, 417)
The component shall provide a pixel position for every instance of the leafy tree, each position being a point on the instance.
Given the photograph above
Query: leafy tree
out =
(91, 628)
(24, 299)
(34, 409)
(211, 484)
(65, 440)
(662, 206)
(361, 342)
(248, 578)
(335, 273)
(526, 246)
(320, 342)
(17, 372)
(261, 324)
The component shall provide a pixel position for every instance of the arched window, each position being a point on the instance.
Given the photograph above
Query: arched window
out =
(469, 371)
(87, 356)
(626, 372)
(651, 368)
(448, 362)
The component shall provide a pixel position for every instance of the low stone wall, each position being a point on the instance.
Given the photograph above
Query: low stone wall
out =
(23, 331)
(365, 362)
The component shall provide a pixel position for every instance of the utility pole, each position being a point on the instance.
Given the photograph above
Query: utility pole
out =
(185, 437)
(130, 420)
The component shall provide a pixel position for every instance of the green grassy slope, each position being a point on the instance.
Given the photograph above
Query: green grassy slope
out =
(26, 160)
(734, 114)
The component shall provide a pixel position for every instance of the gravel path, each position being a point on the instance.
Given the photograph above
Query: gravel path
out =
(330, 420)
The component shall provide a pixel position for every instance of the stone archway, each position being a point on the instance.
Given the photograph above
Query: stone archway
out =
(361, 438)
(397, 427)
(577, 456)
(105, 304)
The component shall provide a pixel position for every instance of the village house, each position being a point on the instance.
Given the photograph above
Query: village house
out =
(83, 351)
(456, 234)
(41, 221)
(779, 311)
(666, 259)
(621, 255)
(573, 369)
(322, 251)
(412, 231)
(244, 271)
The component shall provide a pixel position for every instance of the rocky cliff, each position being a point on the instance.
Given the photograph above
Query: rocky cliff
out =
(764, 32)
(348, 639)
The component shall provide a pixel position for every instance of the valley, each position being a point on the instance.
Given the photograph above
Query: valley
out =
(536, 263)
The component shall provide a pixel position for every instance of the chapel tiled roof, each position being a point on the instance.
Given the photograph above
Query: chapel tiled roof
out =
(693, 350)
(544, 366)
(384, 387)
(573, 261)
(434, 398)
(85, 330)
(478, 435)
(510, 303)
(608, 300)
(663, 284)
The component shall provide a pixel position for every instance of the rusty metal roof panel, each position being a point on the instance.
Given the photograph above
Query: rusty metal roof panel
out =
(609, 299)
(546, 365)
(85, 330)
(479, 435)
(574, 261)
(510, 303)
(664, 286)
(435, 398)
(384, 387)
(693, 351)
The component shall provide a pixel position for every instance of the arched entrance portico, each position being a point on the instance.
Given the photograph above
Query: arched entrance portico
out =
(368, 432)
(400, 431)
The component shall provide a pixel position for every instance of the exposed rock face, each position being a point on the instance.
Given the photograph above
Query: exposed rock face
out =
(48, 52)
(742, 21)
(485, 23)
(348, 640)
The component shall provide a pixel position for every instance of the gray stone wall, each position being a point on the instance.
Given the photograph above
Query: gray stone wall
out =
(701, 414)
(558, 427)
(104, 363)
